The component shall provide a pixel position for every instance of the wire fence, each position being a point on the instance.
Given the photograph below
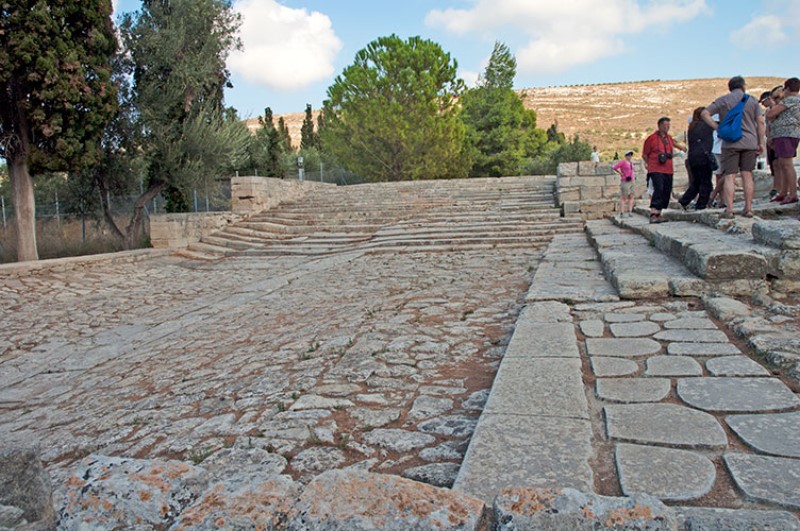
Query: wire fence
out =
(52, 207)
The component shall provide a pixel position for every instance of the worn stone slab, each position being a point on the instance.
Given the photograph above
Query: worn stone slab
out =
(777, 233)
(513, 450)
(669, 424)
(230, 505)
(640, 329)
(624, 317)
(592, 327)
(319, 402)
(692, 336)
(546, 312)
(703, 349)
(764, 478)
(25, 488)
(662, 317)
(673, 366)
(607, 366)
(736, 394)
(452, 425)
(544, 386)
(398, 440)
(630, 390)
(436, 474)
(523, 508)
(622, 347)
(360, 501)
(427, 406)
(691, 323)
(666, 473)
(726, 308)
(163, 488)
(770, 433)
(714, 519)
(735, 366)
(534, 339)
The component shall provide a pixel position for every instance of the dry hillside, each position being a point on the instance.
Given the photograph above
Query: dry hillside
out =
(616, 117)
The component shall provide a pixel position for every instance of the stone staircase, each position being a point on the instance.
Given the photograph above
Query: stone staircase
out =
(442, 215)
(697, 253)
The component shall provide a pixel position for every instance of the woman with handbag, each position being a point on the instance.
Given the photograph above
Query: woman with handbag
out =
(702, 162)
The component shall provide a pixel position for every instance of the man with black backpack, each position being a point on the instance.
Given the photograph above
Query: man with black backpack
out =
(742, 135)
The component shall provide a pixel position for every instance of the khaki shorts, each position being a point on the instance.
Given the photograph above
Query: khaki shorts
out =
(736, 160)
(626, 188)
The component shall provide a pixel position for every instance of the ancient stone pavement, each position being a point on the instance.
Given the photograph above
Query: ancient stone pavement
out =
(473, 368)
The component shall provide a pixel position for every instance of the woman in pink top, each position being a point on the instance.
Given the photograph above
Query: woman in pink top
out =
(625, 170)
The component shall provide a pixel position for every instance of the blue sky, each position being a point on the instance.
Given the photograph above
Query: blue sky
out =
(294, 49)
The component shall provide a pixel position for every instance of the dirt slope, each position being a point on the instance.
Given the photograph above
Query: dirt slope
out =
(616, 117)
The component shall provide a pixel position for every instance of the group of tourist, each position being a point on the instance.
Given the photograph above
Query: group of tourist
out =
(769, 126)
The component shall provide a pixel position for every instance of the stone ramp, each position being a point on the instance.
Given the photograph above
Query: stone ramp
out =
(535, 429)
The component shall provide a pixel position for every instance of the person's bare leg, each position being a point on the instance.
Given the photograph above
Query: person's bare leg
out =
(789, 175)
(747, 185)
(782, 187)
(728, 189)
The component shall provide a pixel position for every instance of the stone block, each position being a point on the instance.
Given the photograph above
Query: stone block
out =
(570, 207)
(711, 262)
(518, 508)
(25, 488)
(357, 500)
(604, 168)
(567, 169)
(570, 194)
(586, 167)
(781, 234)
(563, 182)
(531, 451)
(789, 264)
(589, 193)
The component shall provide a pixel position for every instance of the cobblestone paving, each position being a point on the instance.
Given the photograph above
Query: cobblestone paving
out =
(383, 360)
(684, 414)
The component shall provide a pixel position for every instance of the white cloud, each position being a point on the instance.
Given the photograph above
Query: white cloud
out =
(766, 30)
(563, 34)
(284, 48)
(776, 23)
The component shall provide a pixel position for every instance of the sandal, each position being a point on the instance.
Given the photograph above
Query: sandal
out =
(726, 215)
(748, 213)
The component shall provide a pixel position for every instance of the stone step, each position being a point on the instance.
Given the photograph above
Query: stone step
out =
(709, 253)
(639, 270)
(286, 223)
(346, 212)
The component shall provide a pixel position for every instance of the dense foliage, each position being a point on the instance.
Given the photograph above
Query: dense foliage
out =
(55, 94)
(501, 132)
(393, 115)
(178, 50)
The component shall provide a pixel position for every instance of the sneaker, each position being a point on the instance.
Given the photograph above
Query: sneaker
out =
(789, 200)
(777, 199)
(772, 193)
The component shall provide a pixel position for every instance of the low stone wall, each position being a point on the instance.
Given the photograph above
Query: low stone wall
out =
(591, 189)
(251, 195)
(175, 231)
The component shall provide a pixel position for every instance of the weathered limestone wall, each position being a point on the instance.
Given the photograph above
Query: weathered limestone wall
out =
(249, 196)
(591, 189)
(174, 231)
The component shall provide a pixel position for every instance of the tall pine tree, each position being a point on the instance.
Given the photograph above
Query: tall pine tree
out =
(56, 94)
(308, 138)
(502, 133)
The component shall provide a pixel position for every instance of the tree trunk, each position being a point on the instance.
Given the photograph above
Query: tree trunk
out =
(135, 224)
(24, 208)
